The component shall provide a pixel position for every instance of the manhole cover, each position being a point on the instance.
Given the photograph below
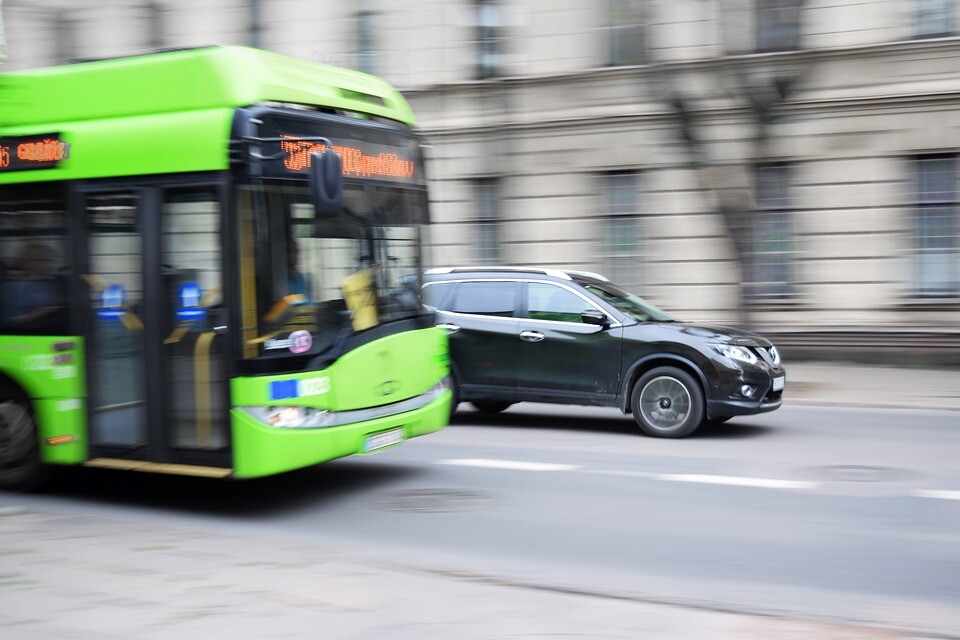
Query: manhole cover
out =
(860, 473)
(431, 500)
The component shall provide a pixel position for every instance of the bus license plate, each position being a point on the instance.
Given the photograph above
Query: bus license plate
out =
(381, 440)
(778, 383)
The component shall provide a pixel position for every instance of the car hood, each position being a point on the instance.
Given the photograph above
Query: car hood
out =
(715, 333)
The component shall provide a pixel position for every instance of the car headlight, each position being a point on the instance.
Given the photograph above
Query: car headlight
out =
(774, 356)
(735, 352)
(291, 417)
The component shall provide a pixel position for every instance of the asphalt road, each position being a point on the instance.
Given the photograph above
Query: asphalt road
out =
(827, 513)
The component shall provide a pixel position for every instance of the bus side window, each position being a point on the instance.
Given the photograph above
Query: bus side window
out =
(32, 293)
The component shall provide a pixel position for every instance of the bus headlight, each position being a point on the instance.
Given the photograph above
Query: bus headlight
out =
(291, 417)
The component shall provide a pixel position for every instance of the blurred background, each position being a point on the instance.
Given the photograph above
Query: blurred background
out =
(787, 165)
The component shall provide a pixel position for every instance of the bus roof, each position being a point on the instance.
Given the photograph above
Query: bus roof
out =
(171, 112)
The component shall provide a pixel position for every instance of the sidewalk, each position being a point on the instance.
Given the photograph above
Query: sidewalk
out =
(832, 383)
(70, 576)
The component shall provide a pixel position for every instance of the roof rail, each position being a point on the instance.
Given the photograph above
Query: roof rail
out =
(589, 274)
(556, 273)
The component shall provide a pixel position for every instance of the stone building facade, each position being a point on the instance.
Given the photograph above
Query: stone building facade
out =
(791, 163)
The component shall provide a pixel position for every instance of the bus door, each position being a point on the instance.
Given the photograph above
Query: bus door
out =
(157, 385)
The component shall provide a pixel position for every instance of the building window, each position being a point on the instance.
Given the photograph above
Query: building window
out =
(933, 18)
(154, 18)
(487, 200)
(623, 242)
(770, 260)
(366, 41)
(489, 39)
(935, 228)
(65, 38)
(777, 25)
(255, 15)
(627, 44)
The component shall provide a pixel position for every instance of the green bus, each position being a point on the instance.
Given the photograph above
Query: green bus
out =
(210, 265)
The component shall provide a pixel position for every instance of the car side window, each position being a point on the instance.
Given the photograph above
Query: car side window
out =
(485, 298)
(550, 302)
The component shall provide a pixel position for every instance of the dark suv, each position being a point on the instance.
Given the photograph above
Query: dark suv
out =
(569, 337)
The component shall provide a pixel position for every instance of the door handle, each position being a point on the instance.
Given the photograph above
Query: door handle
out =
(451, 328)
(531, 336)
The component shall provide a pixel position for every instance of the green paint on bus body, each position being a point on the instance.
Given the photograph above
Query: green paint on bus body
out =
(355, 381)
(173, 111)
(52, 378)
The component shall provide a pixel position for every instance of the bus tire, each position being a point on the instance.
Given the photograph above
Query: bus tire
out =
(20, 465)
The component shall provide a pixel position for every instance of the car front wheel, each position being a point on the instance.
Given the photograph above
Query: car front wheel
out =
(667, 403)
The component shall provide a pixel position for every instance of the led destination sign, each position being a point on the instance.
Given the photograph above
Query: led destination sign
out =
(366, 152)
(32, 152)
(356, 162)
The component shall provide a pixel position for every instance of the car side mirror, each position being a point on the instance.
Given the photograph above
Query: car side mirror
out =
(594, 317)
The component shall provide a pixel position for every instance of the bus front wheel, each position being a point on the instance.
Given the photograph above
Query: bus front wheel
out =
(20, 464)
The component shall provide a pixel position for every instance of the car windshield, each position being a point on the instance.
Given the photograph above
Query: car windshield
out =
(629, 303)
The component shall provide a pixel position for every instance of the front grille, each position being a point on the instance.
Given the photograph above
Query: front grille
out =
(766, 354)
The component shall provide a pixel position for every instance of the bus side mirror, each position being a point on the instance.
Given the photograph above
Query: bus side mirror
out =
(326, 184)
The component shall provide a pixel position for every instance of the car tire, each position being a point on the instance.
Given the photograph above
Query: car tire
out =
(20, 465)
(667, 403)
(490, 406)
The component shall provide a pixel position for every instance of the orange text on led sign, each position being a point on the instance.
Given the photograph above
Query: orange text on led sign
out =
(32, 154)
(43, 151)
(355, 162)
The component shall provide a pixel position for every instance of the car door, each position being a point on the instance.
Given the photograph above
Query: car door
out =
(560, 356)
(480, 317)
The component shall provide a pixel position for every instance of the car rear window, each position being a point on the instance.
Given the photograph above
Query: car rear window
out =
(435, 293)
(485, 298)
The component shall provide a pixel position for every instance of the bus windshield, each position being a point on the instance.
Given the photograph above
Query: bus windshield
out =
(307, 285)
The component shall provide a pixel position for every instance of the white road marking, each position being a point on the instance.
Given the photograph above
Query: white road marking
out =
(516, 465)
(694, 478)
(767, 483)
(939, 495)
(625, 474)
